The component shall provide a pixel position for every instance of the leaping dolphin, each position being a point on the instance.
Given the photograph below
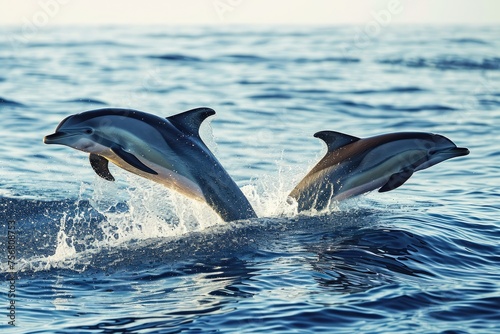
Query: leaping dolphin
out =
(353, 166)
(165, 150)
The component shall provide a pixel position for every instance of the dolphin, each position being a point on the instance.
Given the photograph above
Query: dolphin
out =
(168, 151)
(353, 166)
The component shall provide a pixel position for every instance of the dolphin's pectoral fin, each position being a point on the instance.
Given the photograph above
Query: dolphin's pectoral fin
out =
(190, 121)
(335, 140)
(100, 166)
(396, 180)
(132, 160)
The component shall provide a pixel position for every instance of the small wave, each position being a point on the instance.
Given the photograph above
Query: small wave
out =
(488, 102)
(75, 44)
(251, 82)
(410, 89)
(175, 57)
(419, 124)
(467, 41)
(10, 103)
(328, 59)
(253, 58)
(446, 63)
(313, 91)
(433, 107)
(348, 103)
(86, 100)
(271, 96)
(244, 57)
(49, 76)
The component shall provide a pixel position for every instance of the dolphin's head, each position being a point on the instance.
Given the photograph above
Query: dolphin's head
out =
(80, 132)
(440, 148)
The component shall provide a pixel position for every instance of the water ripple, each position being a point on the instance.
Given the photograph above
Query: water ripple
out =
(446, 63)
(86, 100)
(9, 103)
(422, 258)
(175, 57)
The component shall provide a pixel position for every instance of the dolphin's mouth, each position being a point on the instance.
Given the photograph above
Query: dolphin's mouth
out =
(442, 155)
(454, 152)
(57, 137)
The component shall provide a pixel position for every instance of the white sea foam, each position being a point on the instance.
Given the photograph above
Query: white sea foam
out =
(134, 209)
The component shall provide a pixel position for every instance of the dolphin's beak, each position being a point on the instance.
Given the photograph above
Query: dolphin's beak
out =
(442, 155)
(454, 152)
(56, 138)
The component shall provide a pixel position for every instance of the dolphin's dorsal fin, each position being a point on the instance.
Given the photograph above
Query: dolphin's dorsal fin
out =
(335, 140)
(100, 166)
(396, 180)
(190, 121)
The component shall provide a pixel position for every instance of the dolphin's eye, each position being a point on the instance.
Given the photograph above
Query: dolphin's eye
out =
(89, 131)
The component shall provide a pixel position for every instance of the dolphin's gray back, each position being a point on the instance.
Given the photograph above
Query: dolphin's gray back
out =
(219, 189)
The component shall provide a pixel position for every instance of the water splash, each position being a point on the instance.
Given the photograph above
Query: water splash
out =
(65, 252)
(131, 213)
(119, 215)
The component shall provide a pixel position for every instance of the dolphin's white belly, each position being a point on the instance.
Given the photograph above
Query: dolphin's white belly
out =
(165, 176)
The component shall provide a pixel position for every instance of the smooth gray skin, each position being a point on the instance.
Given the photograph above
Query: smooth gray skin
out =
(165, 150)
(353, 166)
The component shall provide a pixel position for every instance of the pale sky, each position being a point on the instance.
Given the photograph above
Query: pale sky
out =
(263, 12)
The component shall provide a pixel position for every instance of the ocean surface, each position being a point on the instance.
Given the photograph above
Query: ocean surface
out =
(93, 256)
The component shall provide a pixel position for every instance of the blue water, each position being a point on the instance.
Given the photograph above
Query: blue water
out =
(131, 256)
